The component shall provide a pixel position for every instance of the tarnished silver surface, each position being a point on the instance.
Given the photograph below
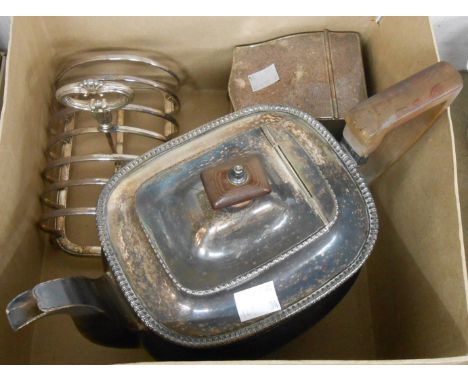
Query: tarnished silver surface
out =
(102, 84)
(215, 250)
(182, 286)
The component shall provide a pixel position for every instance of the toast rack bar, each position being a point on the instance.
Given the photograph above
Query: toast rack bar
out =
(108, 97)
(67, 135)
(59, 234)
(75, 182)
(117, 57)
(66, 114)
(67, 184)
(88, 158)
(79, 211)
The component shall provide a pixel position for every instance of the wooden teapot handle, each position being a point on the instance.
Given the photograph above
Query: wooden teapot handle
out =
(370, 121)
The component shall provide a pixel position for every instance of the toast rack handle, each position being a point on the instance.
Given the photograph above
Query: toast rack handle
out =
(96, 96)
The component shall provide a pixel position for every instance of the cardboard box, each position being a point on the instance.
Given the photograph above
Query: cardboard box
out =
(410, 301)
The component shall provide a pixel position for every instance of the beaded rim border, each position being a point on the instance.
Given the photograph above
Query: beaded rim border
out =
(275, 318)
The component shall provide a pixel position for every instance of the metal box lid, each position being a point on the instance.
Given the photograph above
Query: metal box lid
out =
(199, 274)
(321, 73)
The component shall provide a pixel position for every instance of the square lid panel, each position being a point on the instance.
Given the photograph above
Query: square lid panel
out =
(205, 250)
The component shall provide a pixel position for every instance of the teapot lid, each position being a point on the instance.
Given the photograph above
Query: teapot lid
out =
(236, 225)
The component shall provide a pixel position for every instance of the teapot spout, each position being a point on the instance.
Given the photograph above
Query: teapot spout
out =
(95, 306)
(23, 310)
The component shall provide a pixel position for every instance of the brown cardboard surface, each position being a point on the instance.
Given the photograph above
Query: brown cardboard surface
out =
(346, 333)
(24, 117)
(418, 281)
(419, 247)
(460, 130)
(2, 76)
(410, 299)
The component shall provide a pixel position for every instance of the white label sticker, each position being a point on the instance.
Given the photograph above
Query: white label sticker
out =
(257, 301)
(263, 78)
